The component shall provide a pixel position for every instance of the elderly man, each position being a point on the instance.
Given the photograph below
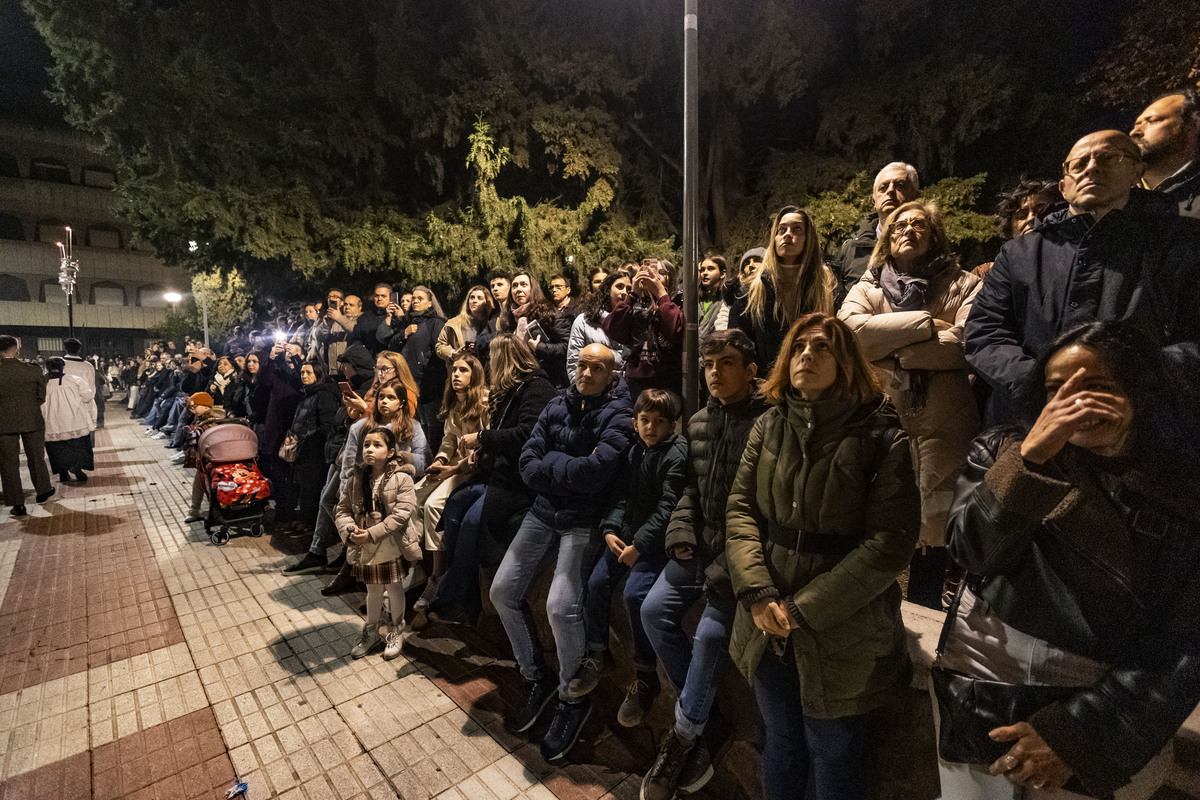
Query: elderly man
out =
(564, 301)
(21, 423)
(1114, 253)
(571, 457)
(1168, 134)
(895, 185)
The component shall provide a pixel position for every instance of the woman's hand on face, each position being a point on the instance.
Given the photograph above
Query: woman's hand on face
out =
(1062, 416)
(1030, 762)
(771, 617)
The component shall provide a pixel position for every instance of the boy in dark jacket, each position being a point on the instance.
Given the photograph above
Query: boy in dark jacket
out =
(635, 530)
(695, 544)
(571, 457)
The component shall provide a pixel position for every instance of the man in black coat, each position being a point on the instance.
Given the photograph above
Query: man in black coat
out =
(1116, 253)
(21, 424)
(895, 185)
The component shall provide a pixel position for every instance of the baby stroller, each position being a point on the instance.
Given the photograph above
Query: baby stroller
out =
(237, 490)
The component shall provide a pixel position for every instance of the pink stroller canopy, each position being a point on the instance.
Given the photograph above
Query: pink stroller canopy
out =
(228, 442)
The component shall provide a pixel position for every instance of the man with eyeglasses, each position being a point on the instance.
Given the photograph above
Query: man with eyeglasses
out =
(1168, 134)
(1115, 253)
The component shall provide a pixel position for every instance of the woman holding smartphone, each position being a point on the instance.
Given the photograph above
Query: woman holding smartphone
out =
(529, 317)
(649, 321)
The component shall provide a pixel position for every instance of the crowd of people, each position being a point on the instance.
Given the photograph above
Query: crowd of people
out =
(1014, 442)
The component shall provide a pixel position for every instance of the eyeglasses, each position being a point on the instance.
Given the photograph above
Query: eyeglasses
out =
(385, 369)
(1105, 159)
(917, 224)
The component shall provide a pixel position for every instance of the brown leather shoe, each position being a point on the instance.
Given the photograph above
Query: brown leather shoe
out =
(343, 582)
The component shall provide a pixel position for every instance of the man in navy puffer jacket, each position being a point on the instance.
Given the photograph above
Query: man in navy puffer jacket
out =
(572, 455)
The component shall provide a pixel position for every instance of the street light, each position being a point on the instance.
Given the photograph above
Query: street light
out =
(174, 297)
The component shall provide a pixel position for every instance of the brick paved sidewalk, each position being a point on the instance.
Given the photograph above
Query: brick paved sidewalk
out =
(137, 660)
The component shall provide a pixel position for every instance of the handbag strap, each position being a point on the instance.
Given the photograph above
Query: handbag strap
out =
(951, 617)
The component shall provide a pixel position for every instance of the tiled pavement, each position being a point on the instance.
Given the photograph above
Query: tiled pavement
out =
(138, 660)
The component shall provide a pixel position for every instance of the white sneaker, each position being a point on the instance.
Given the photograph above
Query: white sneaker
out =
(395, 640)
(369, 641)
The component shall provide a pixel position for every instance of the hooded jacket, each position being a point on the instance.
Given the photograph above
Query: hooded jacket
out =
(648, 487)
(824, 515)
(1137, 264)
(717, 437)
(394, 500)
(314, 415)
(574, 452)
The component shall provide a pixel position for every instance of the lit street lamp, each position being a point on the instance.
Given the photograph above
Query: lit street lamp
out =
(175, 297)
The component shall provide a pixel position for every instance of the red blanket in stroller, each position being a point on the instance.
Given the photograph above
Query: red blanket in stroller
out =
(238, 484)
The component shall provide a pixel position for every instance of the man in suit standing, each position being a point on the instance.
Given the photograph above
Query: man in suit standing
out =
(21, 422)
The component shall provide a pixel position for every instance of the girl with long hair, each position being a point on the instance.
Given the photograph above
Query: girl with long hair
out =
(473, 318)
(465, 411)
(588, 325)
(792, 282)
(482, 515)
(526, 306)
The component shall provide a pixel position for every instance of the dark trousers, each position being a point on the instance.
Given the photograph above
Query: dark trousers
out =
(797, 748)
(10, 465)
(463, 523)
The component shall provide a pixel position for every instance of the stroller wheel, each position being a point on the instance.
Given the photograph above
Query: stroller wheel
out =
(256, 529)
(220, 536)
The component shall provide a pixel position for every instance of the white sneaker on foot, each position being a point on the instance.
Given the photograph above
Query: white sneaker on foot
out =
(395, 640)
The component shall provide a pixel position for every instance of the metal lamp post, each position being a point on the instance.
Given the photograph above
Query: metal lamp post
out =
(68, 274)
(691, 189)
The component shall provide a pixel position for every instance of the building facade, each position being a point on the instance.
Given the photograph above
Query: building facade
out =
(51, 178)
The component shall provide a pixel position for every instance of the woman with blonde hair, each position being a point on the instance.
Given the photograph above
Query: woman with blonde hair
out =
(792, 282)
(482, 516)
(474, 317)
(908, 312)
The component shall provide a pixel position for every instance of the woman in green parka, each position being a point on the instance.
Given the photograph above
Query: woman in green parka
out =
(823, 516)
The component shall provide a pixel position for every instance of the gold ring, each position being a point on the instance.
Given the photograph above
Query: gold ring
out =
(1010, 762)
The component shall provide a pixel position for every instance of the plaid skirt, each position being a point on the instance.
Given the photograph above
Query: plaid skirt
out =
(388, 572)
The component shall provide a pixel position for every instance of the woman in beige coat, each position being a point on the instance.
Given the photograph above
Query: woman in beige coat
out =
(372, 515)
(907, 313)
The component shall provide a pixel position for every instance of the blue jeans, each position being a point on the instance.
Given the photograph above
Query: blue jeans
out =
(463, 523)
(694, 666)
(832, 752)
(325, 533)
(607, 574)
(574, 551)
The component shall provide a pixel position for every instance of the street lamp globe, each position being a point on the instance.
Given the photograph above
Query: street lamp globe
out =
(172, 297)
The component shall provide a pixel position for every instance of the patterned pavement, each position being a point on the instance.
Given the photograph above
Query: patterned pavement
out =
(138, 660)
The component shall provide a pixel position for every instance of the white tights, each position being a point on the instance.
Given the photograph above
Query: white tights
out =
(395, 594)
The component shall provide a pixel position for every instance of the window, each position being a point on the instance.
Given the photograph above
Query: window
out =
(100, 177)
(107, 293)
(52, 293)
(13, 288)
(8, 166)
(51, 231)
(103, 236)
(11, 228)
(48, 345)
(50, 169)
(151, 296)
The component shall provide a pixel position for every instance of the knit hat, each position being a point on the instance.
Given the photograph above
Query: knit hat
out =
(753, 252)
(201, 399)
